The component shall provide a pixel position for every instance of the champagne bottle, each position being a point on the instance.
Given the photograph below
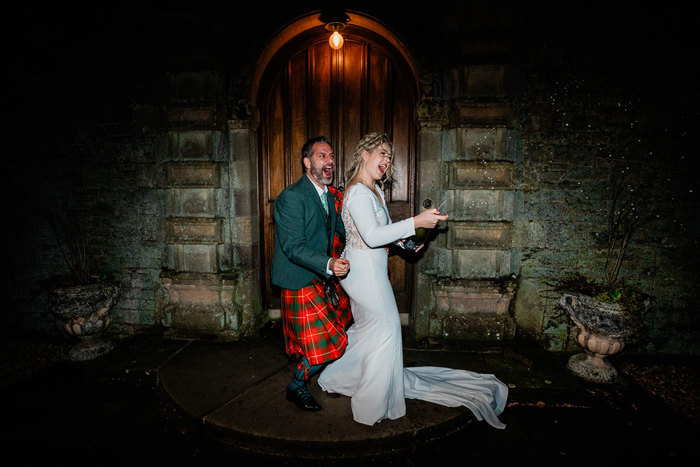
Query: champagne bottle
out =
(418, 239)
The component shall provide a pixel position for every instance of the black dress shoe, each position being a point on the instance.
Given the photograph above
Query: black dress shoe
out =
(303, 399)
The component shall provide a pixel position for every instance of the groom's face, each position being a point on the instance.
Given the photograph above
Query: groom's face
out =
(321, 164)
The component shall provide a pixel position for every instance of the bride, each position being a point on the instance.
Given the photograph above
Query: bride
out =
(371, 370)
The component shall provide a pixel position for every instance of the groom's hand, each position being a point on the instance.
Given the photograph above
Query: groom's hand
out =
(339, 266)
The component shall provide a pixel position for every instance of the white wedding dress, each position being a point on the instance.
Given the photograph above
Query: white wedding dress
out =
(371, 370)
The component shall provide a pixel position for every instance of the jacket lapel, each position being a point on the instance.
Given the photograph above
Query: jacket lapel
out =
(333, 214)
(313, 194)
(330, 219)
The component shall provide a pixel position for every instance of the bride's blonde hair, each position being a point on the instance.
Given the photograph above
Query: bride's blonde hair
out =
(369, 142)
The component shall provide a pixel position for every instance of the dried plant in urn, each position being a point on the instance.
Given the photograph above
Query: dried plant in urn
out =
(80, 299)
(606, 312)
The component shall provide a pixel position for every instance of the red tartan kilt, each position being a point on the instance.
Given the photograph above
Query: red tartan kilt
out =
(311, 327)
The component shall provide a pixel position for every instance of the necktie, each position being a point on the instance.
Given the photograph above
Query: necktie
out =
(324, 201)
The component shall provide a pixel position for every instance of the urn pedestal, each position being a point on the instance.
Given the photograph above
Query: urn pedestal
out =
(84, 309)
(600, 330)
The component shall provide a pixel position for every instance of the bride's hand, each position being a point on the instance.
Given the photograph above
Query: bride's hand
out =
(428, 219)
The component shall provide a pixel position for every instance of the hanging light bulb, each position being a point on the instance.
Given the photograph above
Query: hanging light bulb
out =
(336, 41)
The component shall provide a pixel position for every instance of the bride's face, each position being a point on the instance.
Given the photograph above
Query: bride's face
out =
(377, 161)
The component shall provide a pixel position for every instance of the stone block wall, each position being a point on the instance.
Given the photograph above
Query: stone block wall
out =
(587, 118)
(529, 144)
(522, 123)
(107, 186)
(209, 279)
(466, 278)
(468, 160)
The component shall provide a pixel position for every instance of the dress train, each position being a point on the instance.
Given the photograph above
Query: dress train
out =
(371, 370)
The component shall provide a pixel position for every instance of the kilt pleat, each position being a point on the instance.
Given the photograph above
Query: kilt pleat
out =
(311, 327)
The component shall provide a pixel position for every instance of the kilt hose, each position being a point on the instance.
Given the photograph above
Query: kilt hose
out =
(311, 327)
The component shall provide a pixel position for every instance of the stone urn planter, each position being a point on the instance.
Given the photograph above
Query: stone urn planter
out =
(601, 329)
(85, 311)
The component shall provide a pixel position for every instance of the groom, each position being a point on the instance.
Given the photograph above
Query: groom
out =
(307, 232)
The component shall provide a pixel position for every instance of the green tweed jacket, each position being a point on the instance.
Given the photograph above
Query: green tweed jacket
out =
(302, 235)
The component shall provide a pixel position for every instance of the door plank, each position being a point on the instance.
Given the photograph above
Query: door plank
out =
(341, 95)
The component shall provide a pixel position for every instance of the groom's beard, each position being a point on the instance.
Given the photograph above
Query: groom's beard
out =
(318, 175)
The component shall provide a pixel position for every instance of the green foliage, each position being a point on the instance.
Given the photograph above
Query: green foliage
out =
(610, 296)
(632, 303)
(627, 212)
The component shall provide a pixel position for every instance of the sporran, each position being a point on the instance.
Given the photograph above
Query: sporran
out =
(329, 286)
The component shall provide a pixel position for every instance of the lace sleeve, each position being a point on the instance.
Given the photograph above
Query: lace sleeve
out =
(362, 210)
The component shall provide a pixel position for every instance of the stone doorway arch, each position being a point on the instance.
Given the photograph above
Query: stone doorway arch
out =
(370, 85)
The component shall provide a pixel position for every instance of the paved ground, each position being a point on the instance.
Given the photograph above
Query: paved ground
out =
(195, 402)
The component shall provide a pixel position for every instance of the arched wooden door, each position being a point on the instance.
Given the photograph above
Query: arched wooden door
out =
(310, 90)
